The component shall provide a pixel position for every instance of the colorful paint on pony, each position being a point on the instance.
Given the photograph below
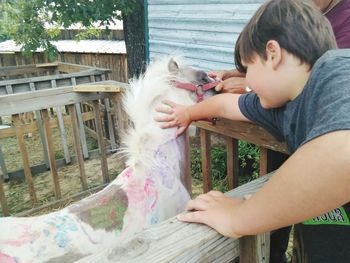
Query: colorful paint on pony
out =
(7, 259)
(148, 191)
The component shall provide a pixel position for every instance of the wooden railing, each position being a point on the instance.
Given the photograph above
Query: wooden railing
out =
(40, 102)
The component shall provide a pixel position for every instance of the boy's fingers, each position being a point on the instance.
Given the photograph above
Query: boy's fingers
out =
(215, 193)
(163, 118)
(192, 217)
(167, 125)
(197, 204)
(169, 103)
(164, 110)
(219, 87)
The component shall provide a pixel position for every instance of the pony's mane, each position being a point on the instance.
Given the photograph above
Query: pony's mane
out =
(145, 93)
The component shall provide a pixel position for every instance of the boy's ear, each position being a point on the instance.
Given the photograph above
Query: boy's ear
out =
(273, 53)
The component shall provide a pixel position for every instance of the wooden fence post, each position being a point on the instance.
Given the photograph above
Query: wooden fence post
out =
(3, 202)
(78, 151)
(51, 153)
(255, 249)
(232, 162)
(206, 160)
(25, 159)
(101, 141)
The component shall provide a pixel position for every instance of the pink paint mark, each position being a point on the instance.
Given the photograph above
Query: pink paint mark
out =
(128, 172)
(25, 237)
(151, 191)
(7, 259)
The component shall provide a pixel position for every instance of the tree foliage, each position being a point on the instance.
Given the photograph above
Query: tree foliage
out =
(34, 23)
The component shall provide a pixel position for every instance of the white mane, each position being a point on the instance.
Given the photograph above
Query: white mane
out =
(145, 94)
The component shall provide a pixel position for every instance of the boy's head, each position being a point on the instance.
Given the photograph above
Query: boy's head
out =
(297, 26)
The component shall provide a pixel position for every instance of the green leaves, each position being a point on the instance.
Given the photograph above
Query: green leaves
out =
(34, 23)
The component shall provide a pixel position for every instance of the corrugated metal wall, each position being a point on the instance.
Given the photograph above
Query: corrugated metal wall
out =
(204, 31)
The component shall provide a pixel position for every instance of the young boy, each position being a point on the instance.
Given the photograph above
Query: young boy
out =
(301, 95)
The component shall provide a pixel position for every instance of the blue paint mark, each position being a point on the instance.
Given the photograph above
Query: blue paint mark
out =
(63, 225)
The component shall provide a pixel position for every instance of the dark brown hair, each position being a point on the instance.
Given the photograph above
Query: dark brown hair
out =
(297, 25)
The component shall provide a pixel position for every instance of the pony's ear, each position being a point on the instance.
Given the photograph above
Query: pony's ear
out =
(173, 67)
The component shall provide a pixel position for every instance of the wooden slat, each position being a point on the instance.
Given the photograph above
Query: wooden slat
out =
(120, 121)
(111, 132)
(263, 161)
(245, 131)
(101, 142)
(96, 88)
(51, 152)
(78, 151)
(177, 242)
(61, 128)
(81, 125)
(44, 99)
(4, 207)
(3, 169)
(25, 159)
(33, 127)
(186, 176)
(60, 121)
(206, 160)
(41, 130)
(255, 249)
(232, 162)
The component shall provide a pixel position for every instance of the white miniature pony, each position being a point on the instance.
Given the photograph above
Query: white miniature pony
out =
(148, 191)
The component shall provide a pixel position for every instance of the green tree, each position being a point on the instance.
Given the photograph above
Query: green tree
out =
(34, 23)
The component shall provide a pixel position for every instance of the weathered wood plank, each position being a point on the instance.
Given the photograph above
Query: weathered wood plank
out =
(263, 161)
(206, 160)
(3, 202)
(78, 151)
(25, 159)
(101, 141)
(51, 152)
(174, 241)
(244, 131)
(111, 132)
(33, 127)
(255, 249)
(3, 168)
(81, 125)
(186, 176)
(44, 99)
(232, 162)
(41, 130)
(96, 88)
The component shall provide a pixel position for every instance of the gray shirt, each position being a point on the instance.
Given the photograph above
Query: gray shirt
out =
(322, 107)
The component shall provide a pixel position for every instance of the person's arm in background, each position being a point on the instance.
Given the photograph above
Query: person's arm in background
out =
(222, 105)
(232, 81)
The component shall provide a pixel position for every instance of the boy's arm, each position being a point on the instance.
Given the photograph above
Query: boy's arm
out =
(222, 105)
(314, 180)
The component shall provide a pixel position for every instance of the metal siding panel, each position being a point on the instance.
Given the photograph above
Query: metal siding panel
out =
(204, 32)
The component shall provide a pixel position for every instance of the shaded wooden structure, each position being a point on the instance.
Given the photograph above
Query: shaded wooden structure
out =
(117, 63)
(53, 92)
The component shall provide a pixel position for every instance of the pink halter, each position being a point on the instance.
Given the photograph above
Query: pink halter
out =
(198, 89)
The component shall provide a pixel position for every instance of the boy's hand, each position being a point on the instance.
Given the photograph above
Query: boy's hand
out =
(176, 116)
(215, 210)
(232, 81)
(232, 85)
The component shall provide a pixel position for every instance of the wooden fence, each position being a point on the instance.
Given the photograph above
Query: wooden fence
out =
(117, 63)
(40, 102)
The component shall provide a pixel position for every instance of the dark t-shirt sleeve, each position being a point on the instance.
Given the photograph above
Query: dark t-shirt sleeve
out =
(270, 119)
(329, 103)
